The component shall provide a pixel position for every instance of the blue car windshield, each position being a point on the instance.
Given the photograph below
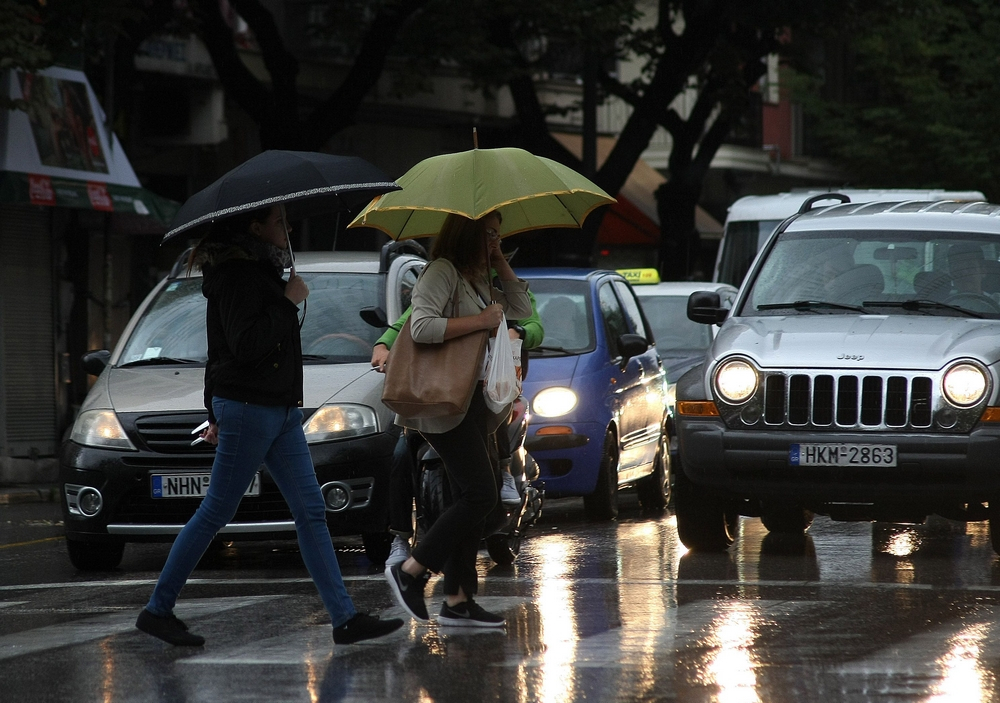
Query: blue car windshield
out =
(564, 306)
(172, 329)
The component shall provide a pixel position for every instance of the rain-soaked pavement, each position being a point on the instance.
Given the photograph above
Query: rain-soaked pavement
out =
(609, 612)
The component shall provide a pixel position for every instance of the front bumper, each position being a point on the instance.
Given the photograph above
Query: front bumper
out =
(932, 468)
(130, 513)
(567, 463)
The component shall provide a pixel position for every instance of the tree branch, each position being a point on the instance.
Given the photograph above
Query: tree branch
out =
(238, 82)
(340, 108)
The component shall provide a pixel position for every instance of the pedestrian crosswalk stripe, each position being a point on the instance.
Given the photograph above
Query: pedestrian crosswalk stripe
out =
(88, 629)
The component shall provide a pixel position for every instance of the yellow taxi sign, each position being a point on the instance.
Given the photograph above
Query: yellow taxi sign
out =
(640, 276)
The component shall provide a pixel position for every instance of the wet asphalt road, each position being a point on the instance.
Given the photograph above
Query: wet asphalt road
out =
(609, 612)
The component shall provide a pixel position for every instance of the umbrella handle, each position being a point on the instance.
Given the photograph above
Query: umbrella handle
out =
(288, 240)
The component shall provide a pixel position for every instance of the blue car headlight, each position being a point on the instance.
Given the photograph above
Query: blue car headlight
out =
(554, 402)
(340, 421)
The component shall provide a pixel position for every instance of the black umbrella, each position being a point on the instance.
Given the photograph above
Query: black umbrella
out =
(333, 182)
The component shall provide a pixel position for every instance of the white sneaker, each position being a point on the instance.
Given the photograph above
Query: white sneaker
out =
(398, 552)
(508, 492)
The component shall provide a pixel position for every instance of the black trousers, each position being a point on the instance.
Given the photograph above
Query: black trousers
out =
(451, 545)
(402, 483)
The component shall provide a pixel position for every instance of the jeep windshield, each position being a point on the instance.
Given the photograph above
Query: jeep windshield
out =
(172, 329)
(878, 272)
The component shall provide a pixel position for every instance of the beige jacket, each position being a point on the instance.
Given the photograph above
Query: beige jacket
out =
(432, 302)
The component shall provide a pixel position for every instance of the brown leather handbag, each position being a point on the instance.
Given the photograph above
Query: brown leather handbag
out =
(433, 380)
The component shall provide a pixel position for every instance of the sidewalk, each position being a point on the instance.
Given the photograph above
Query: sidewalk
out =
(28, 480)
(29, 493)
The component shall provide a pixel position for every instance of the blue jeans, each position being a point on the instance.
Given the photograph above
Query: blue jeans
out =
(248, 435)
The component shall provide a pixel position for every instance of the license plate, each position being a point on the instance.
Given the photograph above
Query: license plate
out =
(191, 485)
(842, 455)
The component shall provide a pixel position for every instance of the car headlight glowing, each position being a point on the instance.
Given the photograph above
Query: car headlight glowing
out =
(340, 421)
(735, 380)
(554, 402)
(100, 428)
(964, 384)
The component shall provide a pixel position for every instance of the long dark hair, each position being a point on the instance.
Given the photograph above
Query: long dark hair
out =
(226, 231)
(461, 241)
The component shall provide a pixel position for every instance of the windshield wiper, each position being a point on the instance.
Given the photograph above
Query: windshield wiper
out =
(918, 304)
(810, 305)
(312, 357)
(158, 360)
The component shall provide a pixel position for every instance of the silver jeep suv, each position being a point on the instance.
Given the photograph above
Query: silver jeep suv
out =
(857, 376)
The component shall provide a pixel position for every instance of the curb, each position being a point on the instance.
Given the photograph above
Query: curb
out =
(15, 495)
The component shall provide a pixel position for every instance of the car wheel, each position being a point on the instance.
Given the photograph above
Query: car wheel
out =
(704, 522)
(503, 548)
(377, 545)
(994, 511)
(95, 556)
(654, 490)
(785, 518)
(602, 504)
(435, 493)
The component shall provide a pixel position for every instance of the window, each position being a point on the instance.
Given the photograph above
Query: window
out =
(632, 309)
(614, 317)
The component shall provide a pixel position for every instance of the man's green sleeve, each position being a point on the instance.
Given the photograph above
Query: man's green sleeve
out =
(388, 337)
(533, 330)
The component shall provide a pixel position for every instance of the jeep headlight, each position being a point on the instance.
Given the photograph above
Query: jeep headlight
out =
(735, 380)
(340, 421)
(100, 428)
(554, 402)
(964, 384)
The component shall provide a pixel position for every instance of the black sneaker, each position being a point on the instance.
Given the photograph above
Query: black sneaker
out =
(364, 627)
(409, 590)
(168, 628)
(468, 614)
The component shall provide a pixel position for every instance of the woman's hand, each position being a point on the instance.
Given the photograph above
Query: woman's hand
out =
(493, 247)
(296, 289)
(490, 316)
(210, 434)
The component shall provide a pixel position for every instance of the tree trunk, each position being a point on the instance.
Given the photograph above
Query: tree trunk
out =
(680, 244)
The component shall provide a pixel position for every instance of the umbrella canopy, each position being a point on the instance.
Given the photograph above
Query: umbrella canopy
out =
(531, 192)
(277, 176)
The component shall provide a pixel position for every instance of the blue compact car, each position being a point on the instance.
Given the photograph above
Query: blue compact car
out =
(596, 391)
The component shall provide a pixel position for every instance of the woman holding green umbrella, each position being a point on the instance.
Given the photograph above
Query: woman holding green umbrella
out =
(462, 255)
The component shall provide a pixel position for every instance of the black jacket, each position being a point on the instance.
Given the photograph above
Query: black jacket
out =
(254, 350)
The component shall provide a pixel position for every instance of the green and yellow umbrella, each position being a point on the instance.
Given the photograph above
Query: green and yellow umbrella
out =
(531, 192)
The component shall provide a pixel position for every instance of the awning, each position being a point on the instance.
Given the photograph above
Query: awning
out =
(634, 218)
(59, 152)
(37, 189)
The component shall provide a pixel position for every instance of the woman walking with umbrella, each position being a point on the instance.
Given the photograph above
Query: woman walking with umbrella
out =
(463, 253)
(253, 392)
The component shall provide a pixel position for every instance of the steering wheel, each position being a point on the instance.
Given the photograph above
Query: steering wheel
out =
(335, 339)
(973, 301)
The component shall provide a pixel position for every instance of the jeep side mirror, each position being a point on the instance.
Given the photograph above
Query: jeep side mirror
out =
(705, 306)
(374, 316)
(94, 362)
(630, 345)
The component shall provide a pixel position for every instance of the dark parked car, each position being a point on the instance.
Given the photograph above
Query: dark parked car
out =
(133, 468)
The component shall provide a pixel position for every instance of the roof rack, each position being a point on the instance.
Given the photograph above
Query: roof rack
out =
(394, 248)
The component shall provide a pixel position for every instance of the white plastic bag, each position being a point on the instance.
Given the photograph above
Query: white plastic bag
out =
(502, 385)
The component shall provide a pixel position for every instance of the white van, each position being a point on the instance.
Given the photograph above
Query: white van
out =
(753, 218)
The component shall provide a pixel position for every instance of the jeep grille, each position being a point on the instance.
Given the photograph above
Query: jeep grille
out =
(824, 400)
(869, 401)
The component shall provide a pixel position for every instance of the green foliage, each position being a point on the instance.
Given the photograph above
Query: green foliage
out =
(924, 99)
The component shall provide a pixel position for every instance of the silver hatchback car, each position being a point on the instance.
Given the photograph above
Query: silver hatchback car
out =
(857, 376)
(133, 468)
